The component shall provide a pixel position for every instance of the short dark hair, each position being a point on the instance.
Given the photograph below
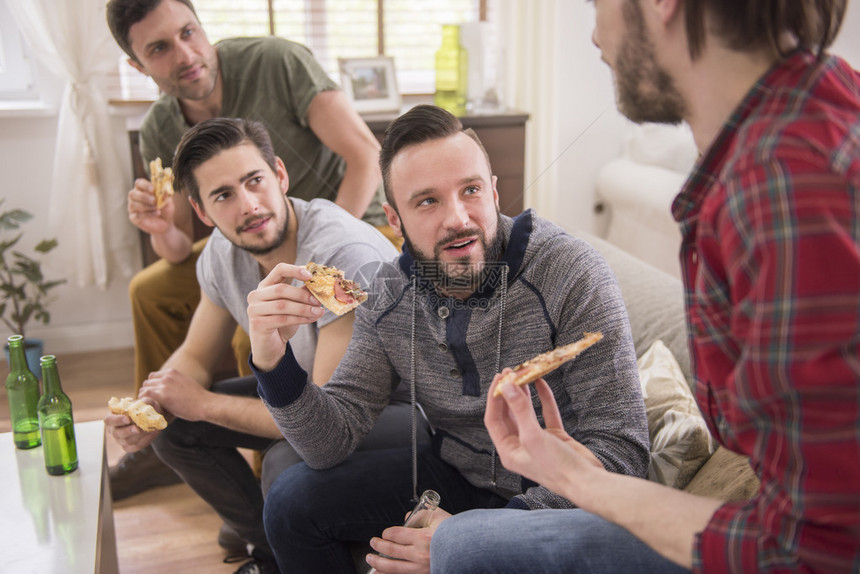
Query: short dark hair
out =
(209, 138)
(420, 124)
(123, 14)
(761, 23)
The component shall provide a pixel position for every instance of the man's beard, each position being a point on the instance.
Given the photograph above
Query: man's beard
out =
(266, 248)
(197, 91)
(460, 276)
(645, 91)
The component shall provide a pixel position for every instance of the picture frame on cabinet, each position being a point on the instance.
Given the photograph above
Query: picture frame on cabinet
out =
(370, 83)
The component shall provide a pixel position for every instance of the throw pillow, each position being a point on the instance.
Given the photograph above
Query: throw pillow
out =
(680, 441)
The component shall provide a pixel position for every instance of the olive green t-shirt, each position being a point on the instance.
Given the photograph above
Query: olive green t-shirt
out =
(273, 81)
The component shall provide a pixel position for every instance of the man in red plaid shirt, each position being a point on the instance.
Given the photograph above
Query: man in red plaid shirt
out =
(771, 265)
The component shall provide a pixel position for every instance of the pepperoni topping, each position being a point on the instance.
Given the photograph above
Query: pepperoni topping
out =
(341, 294)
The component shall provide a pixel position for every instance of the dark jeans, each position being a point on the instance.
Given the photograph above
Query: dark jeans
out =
(312, 516)
(205, 456)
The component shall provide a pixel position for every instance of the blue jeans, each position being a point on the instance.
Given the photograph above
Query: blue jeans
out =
(312, 516)
(536, 541)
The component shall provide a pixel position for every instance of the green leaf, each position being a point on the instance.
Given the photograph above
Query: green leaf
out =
(4, 245)
(14, 218)
(46, 245)
(23, 287)
(51, 284)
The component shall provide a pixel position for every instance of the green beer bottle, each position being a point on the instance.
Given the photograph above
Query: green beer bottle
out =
(22, 388)
(452, 70)
(56, 422)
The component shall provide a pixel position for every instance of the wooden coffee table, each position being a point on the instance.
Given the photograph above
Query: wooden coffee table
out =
(57, 523)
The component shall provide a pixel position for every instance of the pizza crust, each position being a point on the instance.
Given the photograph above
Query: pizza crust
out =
(545, 363)
(322, 286)
(162, 181)
(140, 412)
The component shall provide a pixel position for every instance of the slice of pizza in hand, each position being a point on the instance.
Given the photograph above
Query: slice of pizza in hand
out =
(545, 363)
(140, 412)
(337, 294)
(162, 181)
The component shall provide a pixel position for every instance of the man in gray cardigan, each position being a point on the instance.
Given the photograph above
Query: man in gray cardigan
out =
(472, 293)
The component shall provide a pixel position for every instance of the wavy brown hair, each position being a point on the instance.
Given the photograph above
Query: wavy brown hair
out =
(742, 24)
(420, 124)
(123, 14)
(209, 138)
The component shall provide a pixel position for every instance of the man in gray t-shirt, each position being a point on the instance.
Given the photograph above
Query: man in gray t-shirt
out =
(237, 185)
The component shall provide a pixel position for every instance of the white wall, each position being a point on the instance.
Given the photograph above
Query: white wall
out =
(590, 128)
(81, 318)
(847, 44)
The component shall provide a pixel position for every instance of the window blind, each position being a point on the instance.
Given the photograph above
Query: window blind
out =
(407, 30)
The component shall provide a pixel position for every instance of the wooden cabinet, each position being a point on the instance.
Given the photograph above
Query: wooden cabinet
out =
(503, 136)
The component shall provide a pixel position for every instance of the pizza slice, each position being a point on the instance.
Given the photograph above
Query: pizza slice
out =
(162, 181)
(337, 294)
(545, 363)
(140, 412)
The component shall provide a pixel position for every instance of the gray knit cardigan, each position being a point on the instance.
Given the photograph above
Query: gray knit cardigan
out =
(557, 287)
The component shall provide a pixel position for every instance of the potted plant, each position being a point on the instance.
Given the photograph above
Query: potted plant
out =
(23, 288)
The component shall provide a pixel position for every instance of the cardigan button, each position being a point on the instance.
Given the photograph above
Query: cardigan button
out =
(455, 373)
(443, 347)
(444, 312)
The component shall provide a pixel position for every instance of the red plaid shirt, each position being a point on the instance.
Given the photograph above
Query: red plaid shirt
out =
(771, 263)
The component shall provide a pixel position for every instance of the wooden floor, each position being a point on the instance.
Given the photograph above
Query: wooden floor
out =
(167, 529)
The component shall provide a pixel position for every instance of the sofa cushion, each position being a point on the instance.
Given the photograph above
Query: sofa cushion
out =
(726, 476)
(680, 441)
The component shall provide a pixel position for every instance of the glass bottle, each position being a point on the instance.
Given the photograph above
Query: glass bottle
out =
(22, 388)
(423, 511)
(56, 422)
(420, 515)
(452, 71)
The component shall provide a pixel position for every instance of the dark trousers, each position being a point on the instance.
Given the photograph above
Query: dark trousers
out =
(206, 457)
(313, 516)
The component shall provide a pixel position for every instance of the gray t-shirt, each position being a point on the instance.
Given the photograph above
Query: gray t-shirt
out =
(327, 234)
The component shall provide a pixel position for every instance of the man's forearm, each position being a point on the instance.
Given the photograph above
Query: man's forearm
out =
(664, 518)
(359, 185)
(243, 414)
(173, 246)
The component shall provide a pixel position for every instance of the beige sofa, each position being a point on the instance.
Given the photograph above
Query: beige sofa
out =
(655, 307)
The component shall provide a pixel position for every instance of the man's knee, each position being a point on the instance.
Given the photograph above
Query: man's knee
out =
(146, 282)
(162, 279)
(172, 441)
(276, 459)
(289, 502)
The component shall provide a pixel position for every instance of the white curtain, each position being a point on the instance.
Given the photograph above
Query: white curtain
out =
(88, 204)
(529, 80)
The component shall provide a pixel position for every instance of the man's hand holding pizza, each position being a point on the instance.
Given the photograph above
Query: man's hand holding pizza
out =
(142, 210)
(126, 433)
(549, 456)
(276, 309)
(177, 393)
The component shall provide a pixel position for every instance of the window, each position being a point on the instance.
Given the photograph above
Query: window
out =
(407, 30)
(17, 70)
